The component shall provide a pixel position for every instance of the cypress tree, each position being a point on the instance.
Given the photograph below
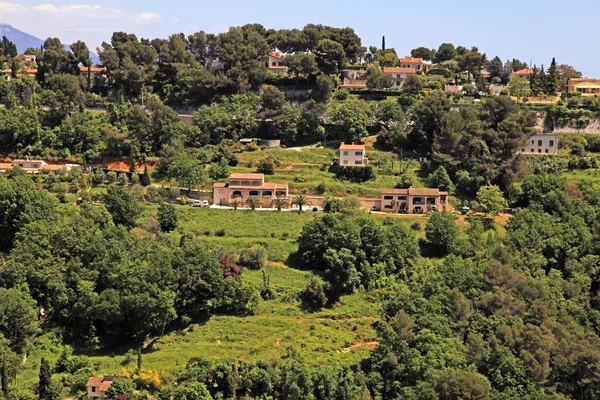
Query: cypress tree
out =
(146, 181)
(552, 80)
(139, 359)
(383, 43)
(45, 385)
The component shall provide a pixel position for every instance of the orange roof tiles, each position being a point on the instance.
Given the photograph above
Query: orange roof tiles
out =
(246, 176)
(94, 381)
(105, 385)
(390, 70)
(415, 192)
(83, 68)
(345, 146)
(276, 54)
(525, 71)
(410, 60)
(219, 185)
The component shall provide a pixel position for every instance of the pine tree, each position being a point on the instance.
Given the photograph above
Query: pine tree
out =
(552, 80)
(146, 181)
(382, 44)
(536, 83)
(45, 385)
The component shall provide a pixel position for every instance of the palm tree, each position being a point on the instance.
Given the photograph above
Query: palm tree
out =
(235, 204)
(394, 205)
(252, 202)
(279, 203)
(300, 200)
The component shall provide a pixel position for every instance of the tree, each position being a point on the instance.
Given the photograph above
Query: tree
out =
(440, 179)
(301, 65)
(458, 385)
(518, 87)
(330, 56)
(220, 170)
(46, 389)
(253, 202)
(18, 318)
(235, 204)
(279, 203)
(7, 48)
(122, 205)
(167, 217)
(300, 200)
(472, 61)
(254, 257)
(552, 79)
(412, 85)
(187, 171)
(120, 388)
(266, 166)
(139, 359)
(313, 296)
(490, 198)
(495, 68)
(424, 53)
(352, 119)
(146, 181)
(323, 89)
(445, 52)
(442, 232)
(376, 79)
(272, 100)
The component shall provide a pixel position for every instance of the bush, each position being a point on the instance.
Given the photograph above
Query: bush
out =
(388, 221)
(99, 176)
(167, 217)
(313, 296)
(416, 226)
(299, 178)
(355, 174)
(135, 179)
(321, 188)
(123, 178)
(111, 176)
(173, 193)
(342, 94)
(267, 166)
(253, 258)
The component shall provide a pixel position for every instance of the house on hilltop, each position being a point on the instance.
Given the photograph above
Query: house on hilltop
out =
(34, 166)
(97, 386)
(353, 155)
(587, 87)
(276, 63)
(542, 144)
(414, 200)
(525, 73)
(399, 75)
(243, 186)
(415, 64)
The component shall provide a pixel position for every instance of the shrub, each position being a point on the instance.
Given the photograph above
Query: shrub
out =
(388, 221)
(267, 166)
(342, 94)
(299, 178)
(167, 217)
(123, 178)
(313, 296)
(135, 179)
(173, 193)
(229, 268)
(99, 176)
(321, 188)
(253, 258)
(111, 176)
(416, 226)
(355, 174)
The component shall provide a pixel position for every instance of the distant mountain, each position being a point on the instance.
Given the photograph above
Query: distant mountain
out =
(24, 40)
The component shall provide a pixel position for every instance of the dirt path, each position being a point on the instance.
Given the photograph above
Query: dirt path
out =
(361, 343)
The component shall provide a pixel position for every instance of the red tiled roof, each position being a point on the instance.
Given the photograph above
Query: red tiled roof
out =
(391, 70)
(246, 176)
(525, 71)
(83, 68)
(94, 381)
(345, 146)
(105, 385)
(410, 60)
(6, 165)
(415, 192)
(266, 185)
(276, 54)
(219, 185)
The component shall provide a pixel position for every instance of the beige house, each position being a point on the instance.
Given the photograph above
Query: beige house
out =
(543, 144)
(587, 87)
(244, 186)
(525, 73)
(276, 63)
(399, 75)
(415, 64)
(34, 166)
(414, 200)
(97, 387)
(353, 155)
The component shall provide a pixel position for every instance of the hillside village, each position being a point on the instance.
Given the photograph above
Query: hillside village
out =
(289, 214)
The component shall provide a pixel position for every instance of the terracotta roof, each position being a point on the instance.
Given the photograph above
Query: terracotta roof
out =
(525, 71)
(266, 185)
(246, 176)
(94, 381)
(345, 146)
(390, 70)
(105, 385)
(415, 192)
(276, 54)
(26, 161)
(278, 67)
(6, 165)
(410, 60)
(31, 71)
(83, 68)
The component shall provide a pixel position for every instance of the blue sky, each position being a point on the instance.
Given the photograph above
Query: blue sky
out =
(526, 29)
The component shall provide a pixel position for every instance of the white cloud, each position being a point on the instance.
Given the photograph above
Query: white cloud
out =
(91, 23)
(147, 18)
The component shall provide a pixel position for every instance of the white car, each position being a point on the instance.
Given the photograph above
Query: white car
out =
(196, 203)
(205, 203)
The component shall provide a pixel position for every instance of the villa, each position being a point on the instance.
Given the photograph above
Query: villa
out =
(525, 73)
(244, 186)
(34, 166)
(542, 144)
(587, 87)
(399, 75)
(353, 155)
(414, 200)
(276, 63)
(97, 386)
(411, 62)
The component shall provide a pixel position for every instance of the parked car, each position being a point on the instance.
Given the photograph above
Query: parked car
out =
(196, 203)
(205, 203)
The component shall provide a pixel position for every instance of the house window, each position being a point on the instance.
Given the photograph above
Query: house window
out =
(539, 150)
(21, 165)
(532, 150)
(235, 183)
(533, 142)
(345, 153)
(358, 162)
(255, 183)
(401, 197)
(93, 389)
(539, 142)
(388, 207)
(267, 194)
(245, 183)
(253, 193)
(546, 150)
(221, 191)
(418, 200)
(345, 162)
(552, 143)
(388, 197)
(523, 150)
(274, 63)
(35, 166)
(358, 153)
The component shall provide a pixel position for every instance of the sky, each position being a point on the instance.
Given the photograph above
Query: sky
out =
(527, 29)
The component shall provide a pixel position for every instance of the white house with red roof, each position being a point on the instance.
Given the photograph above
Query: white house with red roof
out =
(244, 186)
(353, 155)
(276, 63)
(411, 62)
(399, 75)
(524, 73)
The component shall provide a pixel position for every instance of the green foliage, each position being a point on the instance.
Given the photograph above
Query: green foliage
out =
(167, 217)
(253, 258)
(441, 180)
(355, 174)
(314, 297)
(491, 200)
(146, 181)
(122, 205)
(121, 387)
(442, 232)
